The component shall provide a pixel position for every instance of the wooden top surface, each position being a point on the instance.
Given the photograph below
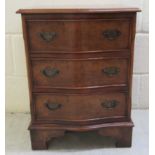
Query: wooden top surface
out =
(55, 11)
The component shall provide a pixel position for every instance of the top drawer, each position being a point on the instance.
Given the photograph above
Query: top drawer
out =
(50, 36)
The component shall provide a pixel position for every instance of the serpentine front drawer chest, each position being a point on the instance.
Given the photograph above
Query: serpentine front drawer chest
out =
(79, 64)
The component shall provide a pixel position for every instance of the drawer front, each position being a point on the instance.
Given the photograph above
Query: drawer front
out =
(79, 107)
(78, 36)
(79, 73)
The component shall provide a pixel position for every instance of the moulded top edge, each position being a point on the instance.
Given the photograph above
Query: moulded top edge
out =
(57, 11)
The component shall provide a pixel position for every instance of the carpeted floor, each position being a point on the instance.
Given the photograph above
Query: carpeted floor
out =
(18, 140)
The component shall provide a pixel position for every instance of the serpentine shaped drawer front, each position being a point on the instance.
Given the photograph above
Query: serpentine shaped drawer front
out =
(77, 36)
(79, 73)
(80, 64)
(79, 107)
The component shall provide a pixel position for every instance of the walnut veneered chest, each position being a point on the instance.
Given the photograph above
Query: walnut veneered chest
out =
(79, 64)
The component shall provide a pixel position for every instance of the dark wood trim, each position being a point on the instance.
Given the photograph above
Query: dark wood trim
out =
(123, 135)
(80, 16)
(130, 69)
(40, 138)
(121, 51)
(84, 122)
(96, 91)
(81, 90)
(78, 20)
(81, 128)
(41, 135)
(44, 55)
(28, 64)
(87, 11)
(79, 58)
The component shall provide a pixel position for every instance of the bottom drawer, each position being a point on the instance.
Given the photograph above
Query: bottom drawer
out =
(79, 108)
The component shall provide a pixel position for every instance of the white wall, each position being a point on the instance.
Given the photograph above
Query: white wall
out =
(17, 99)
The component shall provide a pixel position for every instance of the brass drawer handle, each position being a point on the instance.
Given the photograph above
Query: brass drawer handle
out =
(50, 72)
(47, 36)
(109, 104)
(111, 34)
(111, 71)
(53, 106)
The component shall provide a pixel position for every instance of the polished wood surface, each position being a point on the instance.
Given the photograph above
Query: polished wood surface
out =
(79, 73)
(84, 35)
(86, 11)
(80, 108)
(122, 132)
(80, 64)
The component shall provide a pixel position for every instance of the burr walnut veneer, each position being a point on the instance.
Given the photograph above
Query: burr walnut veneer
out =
(79, 64)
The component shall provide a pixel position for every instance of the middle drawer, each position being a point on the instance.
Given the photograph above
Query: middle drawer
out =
(79, 73)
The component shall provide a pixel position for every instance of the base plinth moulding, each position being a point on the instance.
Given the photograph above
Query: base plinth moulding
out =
(42, 134)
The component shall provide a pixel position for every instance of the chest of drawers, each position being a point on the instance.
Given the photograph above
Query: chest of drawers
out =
(79, 64)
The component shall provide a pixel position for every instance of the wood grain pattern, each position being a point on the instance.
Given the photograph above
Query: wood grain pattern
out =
(123, 135)
(86, 11)
(77, 45)
(85, 35)
(79, 73)
(40, 138)
(41, 135)
(79, 108)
